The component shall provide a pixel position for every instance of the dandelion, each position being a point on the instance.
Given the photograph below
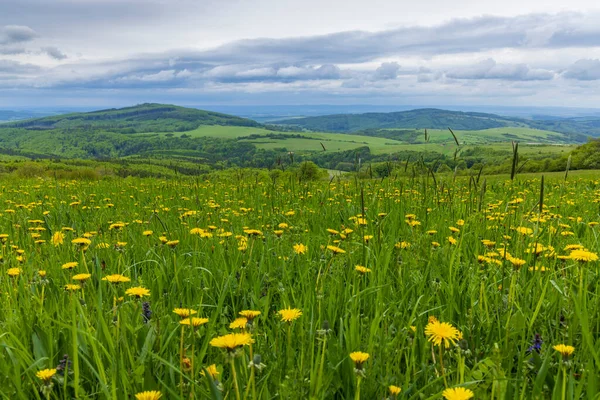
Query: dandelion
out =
(116, 278)
(147, 233)
(249, 314)
(441, 333)
(138, 292)
(212, 371)
(458, 393)
(149, 395)
(58, 238)
(81, 277)
(172, 243)
(299, 248)
(362, 270)
(394, 390)
(46, 374)
(13, 272)
(359, 358)
(239, 323)
(82, 242)
(194, 321)
(232, 341)
(70, 265)
(184, 312)
(336, 250)
(116, 226)
(583, 256)
(290, 314)
(564, 350)
(69, 287)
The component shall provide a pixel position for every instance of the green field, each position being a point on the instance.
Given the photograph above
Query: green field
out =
(243, 285)
(531, 141)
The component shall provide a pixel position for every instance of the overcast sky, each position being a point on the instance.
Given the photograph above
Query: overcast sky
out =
(464, 52)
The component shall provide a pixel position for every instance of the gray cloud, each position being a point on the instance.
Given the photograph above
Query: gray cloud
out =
(54, 52)
(343, 63)
(584, 70)
(11, 34)
(563, 30)
(489, 69)
(387, 70)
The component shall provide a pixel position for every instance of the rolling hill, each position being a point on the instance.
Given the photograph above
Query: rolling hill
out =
(170, 132)
(137, 119)
(575, 129)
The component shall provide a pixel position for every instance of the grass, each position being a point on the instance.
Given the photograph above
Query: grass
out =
(243, 257)
(533, 141)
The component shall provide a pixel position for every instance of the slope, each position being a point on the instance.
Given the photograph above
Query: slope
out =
(137, 119)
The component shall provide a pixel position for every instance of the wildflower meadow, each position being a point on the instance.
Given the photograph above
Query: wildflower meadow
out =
(245, 286)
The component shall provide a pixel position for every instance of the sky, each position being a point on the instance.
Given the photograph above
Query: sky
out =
(101, 53)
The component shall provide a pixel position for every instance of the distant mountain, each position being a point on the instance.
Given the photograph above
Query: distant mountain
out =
(10, 115)
(431, 118)
(137, 119)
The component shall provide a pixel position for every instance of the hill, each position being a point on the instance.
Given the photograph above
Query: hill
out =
(430, 118)
(137, 119)
(575, 129)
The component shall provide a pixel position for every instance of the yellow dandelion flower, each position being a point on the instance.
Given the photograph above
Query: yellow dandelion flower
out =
(212, 371)
(81, 277)
(583, 256)
(458, 393)
(58, 238)
(147, 233)
(289, 314)
(46, 374)
(194, 321)
(441, 333)
(72, 287)
(149, 395)
(70, 265)
(116, 278)
(232, 341)
(249, 314)
(184, 312)
(362, 270)
(299, 248)
(336, 250)
(13, 272)
(359, 358)
(564, 350)
(138, 292)
(83, 242)
(239, 323)
(394, 390)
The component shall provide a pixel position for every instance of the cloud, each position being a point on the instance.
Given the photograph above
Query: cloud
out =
(480, 57)
(11, 34)
(15, 67)
(54, 52)
(563, 30)
(387, 70)
(584, 70)
(489, 69)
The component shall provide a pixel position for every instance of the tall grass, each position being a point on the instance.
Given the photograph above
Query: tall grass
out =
(416, 272)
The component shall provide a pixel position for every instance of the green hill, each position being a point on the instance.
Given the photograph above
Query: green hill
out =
(430, 118)
(574, 129)
(137, 119)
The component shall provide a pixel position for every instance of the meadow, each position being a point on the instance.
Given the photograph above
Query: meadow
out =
(532, 141)
(248, 286)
